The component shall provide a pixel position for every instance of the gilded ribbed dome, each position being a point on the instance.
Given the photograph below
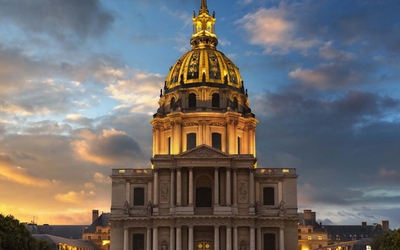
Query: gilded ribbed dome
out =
(204, 65)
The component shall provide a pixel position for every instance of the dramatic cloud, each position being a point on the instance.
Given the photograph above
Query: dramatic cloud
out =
(77, 18)
(110, 147)
(22, 175)
(75, 197)
(272, 29)
(140, 93)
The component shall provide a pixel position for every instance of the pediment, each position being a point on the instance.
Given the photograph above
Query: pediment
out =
(203, 151)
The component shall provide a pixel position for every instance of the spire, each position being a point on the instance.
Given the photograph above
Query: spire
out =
(203, 7)
(203, 28)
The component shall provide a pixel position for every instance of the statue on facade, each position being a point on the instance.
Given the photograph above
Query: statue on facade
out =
(150, 208)
(281, 208)
(126, 206)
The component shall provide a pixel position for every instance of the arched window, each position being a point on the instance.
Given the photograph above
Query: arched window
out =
(192, 100)
(173, 103)
(190, 141)
(203, 197)
(268, 196)
(235, 103)
(215, 100)
(138, 197)
(216, 140)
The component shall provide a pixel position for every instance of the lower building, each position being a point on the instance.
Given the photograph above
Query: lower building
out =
(311, 234)
(99, 231)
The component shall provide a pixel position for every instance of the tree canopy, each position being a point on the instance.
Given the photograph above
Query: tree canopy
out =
(387, 241)
(15, 236)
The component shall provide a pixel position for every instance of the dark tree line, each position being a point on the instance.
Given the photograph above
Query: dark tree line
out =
(15, 236)
(387, 241)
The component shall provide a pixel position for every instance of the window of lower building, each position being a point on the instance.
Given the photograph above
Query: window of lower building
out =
(368, 247)
(99, 237)
(190, 141)
(299, 230)
(269, 241)
(299, 237)
(89, 237)
(269, 196)
(138, 197)
(203, 197)
(309, 237)
(309, 230)
(138, 241)
(319, 237)
(216, 140)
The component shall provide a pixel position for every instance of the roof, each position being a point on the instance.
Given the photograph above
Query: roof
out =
(310, 222)
(348, 233)
(65, 231)
(55, 241)
(101, 221)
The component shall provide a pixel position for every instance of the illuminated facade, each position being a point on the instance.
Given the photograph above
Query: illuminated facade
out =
(204, 190)
(311, 234)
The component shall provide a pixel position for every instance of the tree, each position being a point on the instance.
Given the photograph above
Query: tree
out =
(15, 236)
(387, 241)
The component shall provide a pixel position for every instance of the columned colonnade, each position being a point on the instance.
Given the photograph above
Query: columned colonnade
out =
(232, 243)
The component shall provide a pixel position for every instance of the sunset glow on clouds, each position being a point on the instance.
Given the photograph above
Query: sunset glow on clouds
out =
(80, 80)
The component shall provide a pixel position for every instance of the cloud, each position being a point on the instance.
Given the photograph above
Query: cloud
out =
(22, 175)
(109, 147)
(78, 19)
(139, 94)
(272, 29)
(75, 197)
(79, 119)
(101, 178)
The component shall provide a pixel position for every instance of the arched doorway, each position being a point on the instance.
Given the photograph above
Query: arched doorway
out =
(204, 195)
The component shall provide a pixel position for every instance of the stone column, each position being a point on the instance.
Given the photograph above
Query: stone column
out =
(252, 239)
(172, 238)
(228, 186)
(259, 238)
(251, 187)
(178, 238)
(150, 191)
(155, 187)
(234, 187)
(235, 238)
(178, 187)
(148, 239)
(190, 186)
(190, 238)
(228, 238)
(126, 238)
(281, 238)
(155, 238)
(172, 189)
(216, 237)
(128, 190)
(216, 187)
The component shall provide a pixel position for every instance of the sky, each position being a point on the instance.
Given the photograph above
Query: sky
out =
(80, 80)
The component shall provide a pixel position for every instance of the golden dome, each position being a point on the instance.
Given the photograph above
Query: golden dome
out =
(204, 65)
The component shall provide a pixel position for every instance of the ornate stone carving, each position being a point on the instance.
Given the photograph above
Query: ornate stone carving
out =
(243, 191)
(189, 124)
(164, 192)
(219, 124)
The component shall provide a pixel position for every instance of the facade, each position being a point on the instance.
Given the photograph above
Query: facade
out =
(311, 234)
(99, 231)
(203, 189)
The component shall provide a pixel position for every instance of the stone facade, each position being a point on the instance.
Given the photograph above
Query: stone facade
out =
(203, 189)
